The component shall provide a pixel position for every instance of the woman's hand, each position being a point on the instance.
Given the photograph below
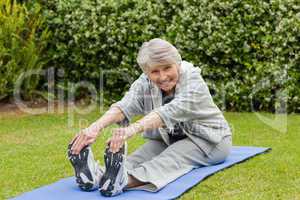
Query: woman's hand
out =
(85, 137)
(119, 136)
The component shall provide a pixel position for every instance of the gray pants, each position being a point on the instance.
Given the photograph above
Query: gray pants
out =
(159, 164)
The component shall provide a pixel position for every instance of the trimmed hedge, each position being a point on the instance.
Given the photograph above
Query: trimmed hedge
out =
(91, 37)
(248, 50)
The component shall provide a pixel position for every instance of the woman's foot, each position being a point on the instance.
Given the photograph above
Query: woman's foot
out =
(115, 178)
(87, 171)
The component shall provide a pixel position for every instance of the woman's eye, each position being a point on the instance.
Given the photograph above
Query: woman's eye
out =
(167, 68)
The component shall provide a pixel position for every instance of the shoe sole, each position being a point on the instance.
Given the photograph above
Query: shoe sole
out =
(113, 162)
(80, 165)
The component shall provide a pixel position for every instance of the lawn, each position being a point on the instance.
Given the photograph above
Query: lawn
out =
(33, 154)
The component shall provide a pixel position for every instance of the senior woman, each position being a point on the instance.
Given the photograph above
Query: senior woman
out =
(184, 128)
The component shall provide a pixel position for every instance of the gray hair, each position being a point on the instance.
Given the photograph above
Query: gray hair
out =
(157, 51)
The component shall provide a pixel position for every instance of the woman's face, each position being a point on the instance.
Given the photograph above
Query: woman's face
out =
(164, 76)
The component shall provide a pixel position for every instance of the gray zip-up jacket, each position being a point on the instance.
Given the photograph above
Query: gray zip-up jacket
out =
(193, 105)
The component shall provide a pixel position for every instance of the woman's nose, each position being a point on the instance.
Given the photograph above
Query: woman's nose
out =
(163, 76)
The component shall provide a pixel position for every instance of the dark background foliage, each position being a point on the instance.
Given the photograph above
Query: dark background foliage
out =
(248, 50)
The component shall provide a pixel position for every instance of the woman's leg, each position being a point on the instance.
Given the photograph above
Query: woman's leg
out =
(145, 153)
(154, 173)
(221, 151)
(116, 177)
(176, 160)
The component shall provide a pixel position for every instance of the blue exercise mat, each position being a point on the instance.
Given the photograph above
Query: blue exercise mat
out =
(67, 189)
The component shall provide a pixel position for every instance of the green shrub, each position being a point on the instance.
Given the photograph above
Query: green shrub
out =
(248, 50)
(21, 46)
(244, 45)
(92, 37)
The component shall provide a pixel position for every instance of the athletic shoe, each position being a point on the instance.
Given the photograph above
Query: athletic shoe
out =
(115, 178)
(87, 171)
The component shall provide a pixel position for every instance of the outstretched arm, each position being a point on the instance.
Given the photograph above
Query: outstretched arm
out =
(120, 135)
(89, 135)
(130, 105)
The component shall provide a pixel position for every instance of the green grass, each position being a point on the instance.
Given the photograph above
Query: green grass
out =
(33, 154)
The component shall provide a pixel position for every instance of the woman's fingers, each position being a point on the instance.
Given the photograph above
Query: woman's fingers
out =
(74, 138)
(117, 140)
(75, 143)
(79, 144)
(113, 144)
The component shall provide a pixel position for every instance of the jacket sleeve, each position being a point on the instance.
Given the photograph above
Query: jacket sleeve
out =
(133, 101)
(192, 101)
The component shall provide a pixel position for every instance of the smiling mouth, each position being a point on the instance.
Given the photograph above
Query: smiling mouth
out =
(164, 84)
